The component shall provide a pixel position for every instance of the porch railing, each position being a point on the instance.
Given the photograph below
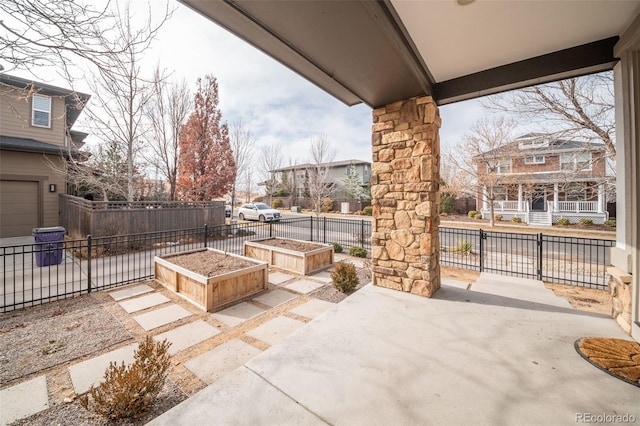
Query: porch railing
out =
(505, 205)
(578, 206)
(563, 206)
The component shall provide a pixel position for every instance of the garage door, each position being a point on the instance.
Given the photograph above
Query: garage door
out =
(18, 208)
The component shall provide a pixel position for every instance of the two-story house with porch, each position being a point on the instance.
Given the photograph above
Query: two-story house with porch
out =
(541, 178)
(35, 139)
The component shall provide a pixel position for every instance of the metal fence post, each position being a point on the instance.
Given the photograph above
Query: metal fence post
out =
(324, 230)
(206, 233)
(311, 228)
(482, 237)
(361, 232)
(89, 263)
(539, 242)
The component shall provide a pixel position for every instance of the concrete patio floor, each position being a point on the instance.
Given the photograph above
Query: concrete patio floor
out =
(384, 357)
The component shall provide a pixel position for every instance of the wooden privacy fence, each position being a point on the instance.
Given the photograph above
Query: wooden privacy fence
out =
(82, 217)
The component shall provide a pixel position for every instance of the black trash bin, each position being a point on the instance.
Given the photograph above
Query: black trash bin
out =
(48, 245)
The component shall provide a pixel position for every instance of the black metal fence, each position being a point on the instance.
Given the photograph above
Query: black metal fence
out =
(37, 273)
(559, 259)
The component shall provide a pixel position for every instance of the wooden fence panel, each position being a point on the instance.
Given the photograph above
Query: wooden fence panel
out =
(83, 217)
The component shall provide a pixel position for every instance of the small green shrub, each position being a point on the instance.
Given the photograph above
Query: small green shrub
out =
(611, 223)
(337, 248)
(276, 204)
(345, 277)
(516, 219)
(464, 247)
(585, 221)
(563, 221)
(447, 204)
(477, 216)
(358, 251)
(472, 213)
(367, 211)
(128, 392)
(498, 217)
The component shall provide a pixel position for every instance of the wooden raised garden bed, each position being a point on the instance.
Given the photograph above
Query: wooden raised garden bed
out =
(209, 278)
(301, 257)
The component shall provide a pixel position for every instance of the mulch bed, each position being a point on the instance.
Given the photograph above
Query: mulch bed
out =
(38, 338)
(291, 244)
(620, 358)
(209, 263)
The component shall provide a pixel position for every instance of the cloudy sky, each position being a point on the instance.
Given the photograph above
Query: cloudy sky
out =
(277, 105)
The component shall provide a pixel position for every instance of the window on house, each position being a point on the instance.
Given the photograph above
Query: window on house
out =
(576, 192)
(576, 162)
(500, 193)
(41, 111)
(534, 159)
(499, 167)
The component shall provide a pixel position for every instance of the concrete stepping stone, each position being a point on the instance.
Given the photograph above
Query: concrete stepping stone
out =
(275, 330)
(91, 372)
(144, 302)
(212, 365)
(131, 291)
(312, 308)
(237, 314)
(277, 278)
(304, 286)
(454, 283)
(187, 335)
(354, 262)
(275, 297)
(162, 316)
(324, 276)
(23, 400)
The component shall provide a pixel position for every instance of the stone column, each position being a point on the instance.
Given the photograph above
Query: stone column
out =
(404, 188)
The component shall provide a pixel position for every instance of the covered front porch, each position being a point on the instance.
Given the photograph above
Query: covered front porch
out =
(545, 204)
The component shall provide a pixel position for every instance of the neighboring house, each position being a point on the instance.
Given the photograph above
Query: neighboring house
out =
(35, 139)
(541, 179)
(297, 177)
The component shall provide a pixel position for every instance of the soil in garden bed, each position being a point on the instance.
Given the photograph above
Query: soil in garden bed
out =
(209, 263)
(291, 244)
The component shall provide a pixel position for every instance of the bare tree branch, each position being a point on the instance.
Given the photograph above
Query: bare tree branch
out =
(319, 184)
(577, 108)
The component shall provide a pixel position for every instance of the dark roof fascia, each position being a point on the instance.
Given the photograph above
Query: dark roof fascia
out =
(331, 165)
(558, 177)
(8, 143)
(75, 101)
(381, 17)
(512, 151)
(567, 63)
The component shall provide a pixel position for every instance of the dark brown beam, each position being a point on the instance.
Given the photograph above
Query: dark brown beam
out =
(580, 60)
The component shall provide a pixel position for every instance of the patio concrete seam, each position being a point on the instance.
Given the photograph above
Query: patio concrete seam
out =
(307, 409)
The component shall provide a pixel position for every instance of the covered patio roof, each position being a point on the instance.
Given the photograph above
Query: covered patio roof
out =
(379, 52)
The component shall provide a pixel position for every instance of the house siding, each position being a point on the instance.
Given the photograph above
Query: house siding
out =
(22, 166)
(16, 118)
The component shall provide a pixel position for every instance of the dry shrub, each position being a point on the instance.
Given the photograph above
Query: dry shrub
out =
(128, 392)
(344, 277)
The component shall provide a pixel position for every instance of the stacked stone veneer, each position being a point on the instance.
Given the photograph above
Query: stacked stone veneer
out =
(620, 289)
(404, 189)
